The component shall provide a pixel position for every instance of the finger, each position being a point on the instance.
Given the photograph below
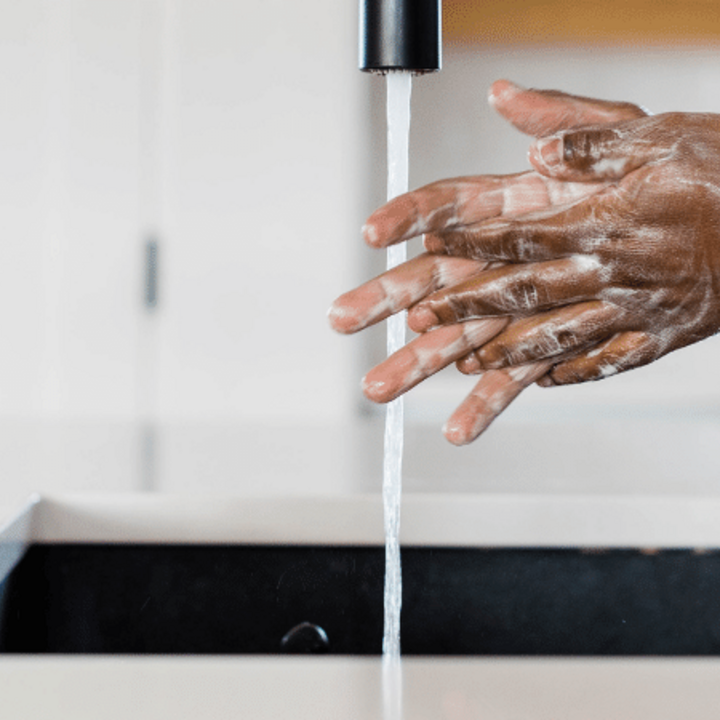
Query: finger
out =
(516, 290)
(425, 356)
(600, 153)
(624, 351)
(551, 334)
(547, 235)
(495, 390)
(469, 365)
(398, 289)
(462, 201)
(457, 202)
(544, 112)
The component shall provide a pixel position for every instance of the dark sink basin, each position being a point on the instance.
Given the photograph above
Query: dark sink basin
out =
(197, 599)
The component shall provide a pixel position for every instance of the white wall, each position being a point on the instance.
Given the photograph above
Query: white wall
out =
(261, 191)
(68, 217)
(230, 131)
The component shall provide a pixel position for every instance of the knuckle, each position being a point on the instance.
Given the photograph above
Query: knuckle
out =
(574, 373)
(581, 147)
(515, 244)
(545, 343)
(461, 243)
(495, 356)
(453, 309)
(575, 149)
(566, 339)
(521, 297)
(556, 340)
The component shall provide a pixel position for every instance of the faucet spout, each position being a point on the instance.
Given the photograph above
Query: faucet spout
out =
(400, 35)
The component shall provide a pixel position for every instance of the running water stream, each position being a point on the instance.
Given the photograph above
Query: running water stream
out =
(399, 85)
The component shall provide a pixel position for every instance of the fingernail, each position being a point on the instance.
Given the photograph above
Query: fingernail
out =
(548, 151)
(370, 234)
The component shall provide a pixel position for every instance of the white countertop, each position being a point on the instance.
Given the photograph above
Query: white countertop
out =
(265, 688)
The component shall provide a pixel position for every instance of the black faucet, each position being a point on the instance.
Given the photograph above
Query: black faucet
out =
(400, 35)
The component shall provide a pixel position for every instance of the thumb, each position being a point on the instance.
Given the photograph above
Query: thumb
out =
(545, 112)
(596, 153)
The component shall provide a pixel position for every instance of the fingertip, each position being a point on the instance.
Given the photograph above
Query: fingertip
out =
(422, 318)
(433, 244)
(374, 389)
(462, 428)
(502, 91)
(394, 222)
(370, 235)
(545, 382)
(494, 358)
(533, 158)
(342, 318)
(469, 365)
(457, 433)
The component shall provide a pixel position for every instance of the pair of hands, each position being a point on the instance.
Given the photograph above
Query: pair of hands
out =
(603, 258)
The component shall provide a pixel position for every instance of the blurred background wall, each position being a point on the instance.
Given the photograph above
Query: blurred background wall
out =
(240, 143)
(227, 132)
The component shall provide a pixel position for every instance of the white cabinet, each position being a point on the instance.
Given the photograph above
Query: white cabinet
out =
(225, 130)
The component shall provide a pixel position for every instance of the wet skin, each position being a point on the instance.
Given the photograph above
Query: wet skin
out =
(605, 258)
(619, 279)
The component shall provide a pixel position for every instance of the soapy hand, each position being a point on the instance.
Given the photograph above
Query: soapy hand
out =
(456, 206)
(617, 280)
